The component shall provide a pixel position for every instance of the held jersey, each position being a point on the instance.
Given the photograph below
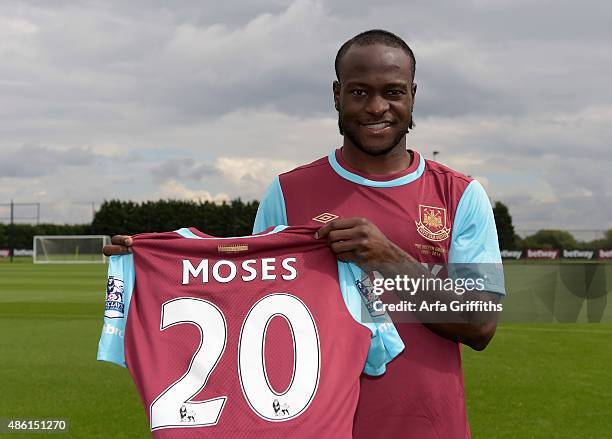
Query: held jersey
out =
(249, 337)
(436, 215)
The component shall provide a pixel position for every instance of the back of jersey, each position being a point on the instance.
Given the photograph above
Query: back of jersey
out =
(242, 337)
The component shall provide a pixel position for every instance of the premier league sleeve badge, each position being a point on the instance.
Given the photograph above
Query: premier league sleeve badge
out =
(369, 298)
(114, 305)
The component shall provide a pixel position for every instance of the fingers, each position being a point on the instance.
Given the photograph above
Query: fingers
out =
(120, 246)
(123, 240)
(346, 237)
(342, 235)
(340, 224)
(339, 247)
(115, 250)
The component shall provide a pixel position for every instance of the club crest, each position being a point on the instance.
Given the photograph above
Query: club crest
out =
(114, 305)
(432, 223)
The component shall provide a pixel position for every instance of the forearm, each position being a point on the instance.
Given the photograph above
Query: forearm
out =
(475, 336)
(463, 316)
(474, 328)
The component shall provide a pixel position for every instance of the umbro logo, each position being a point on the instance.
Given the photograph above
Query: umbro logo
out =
(325, 217)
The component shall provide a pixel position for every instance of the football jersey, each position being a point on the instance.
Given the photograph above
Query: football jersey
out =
(249, 337)
(436, 215)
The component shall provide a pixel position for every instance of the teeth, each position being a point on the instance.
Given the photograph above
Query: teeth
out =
(378, 126)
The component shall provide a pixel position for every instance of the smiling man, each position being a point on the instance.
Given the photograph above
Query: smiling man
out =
(398, 213)
(374, 104)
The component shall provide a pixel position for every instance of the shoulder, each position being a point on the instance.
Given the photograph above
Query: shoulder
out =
(439, 171)
(310, 170)
(450, 185)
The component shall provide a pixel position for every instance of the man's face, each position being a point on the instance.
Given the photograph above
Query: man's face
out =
(374, 97)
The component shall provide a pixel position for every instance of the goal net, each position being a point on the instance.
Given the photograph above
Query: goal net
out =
(76, 249)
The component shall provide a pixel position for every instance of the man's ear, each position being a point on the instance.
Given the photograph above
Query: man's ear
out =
(413, 90)
(336, 91)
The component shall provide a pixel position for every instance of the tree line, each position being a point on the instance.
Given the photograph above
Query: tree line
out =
(235, 218)
(547, 238)
(20, 236)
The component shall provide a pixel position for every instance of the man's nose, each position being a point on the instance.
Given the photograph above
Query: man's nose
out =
(377, 104)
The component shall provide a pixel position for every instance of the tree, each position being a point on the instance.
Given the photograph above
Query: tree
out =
(605, 242)
(505, 229)
(559, 239)
(234, 218)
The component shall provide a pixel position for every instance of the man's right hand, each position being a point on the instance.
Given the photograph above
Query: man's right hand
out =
(120, 245)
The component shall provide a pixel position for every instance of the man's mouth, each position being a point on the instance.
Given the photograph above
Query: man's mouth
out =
(377, 127)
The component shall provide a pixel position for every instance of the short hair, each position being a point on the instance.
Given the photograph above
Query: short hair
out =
(370, 37)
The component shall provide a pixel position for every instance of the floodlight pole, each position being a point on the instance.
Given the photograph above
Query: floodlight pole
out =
(11, 232)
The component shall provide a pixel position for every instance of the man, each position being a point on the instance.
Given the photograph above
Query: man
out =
(397, 211)
(385, 194)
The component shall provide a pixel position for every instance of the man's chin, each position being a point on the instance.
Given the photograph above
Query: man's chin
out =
(376, 150)
(374, 147)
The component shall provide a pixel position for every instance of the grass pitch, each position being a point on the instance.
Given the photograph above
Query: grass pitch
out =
(50, 320)
(534, 380)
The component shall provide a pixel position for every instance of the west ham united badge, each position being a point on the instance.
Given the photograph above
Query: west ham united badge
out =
(432, 223)
(114, 298)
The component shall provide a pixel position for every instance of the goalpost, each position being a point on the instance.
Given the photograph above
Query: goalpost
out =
(69, 249)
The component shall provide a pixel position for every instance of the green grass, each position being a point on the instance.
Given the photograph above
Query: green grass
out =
(542, 381)
(533, 381)
(50, 320)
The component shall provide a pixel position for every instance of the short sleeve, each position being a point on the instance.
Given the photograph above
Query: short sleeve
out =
(474, 245)
(271, 211)
(385, 344)
(119, 288)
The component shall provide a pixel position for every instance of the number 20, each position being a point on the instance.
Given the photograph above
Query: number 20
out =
(254, 382)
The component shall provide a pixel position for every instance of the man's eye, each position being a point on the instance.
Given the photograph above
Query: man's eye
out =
(395, 92)
(358, 92)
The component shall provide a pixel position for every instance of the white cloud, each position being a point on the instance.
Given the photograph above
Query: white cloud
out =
(136, 100)
(175, 190)
(246, 171)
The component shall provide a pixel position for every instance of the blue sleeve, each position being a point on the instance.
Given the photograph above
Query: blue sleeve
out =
(474, 242)
(385, 344)
(271, 211)
(119, 287)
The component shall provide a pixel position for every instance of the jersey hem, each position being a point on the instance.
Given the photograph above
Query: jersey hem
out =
(107, 357)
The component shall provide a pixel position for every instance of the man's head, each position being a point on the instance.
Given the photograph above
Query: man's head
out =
(374, 91)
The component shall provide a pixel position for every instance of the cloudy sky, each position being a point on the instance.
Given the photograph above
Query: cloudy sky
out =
(195, 99)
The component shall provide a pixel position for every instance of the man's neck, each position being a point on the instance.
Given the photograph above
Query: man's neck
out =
(396, 160)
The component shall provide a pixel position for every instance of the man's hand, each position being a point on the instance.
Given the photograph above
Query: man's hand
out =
(358, 240)
(121, 245)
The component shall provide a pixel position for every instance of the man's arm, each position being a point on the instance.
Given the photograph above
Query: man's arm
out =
(474, 243)
(271, 211)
